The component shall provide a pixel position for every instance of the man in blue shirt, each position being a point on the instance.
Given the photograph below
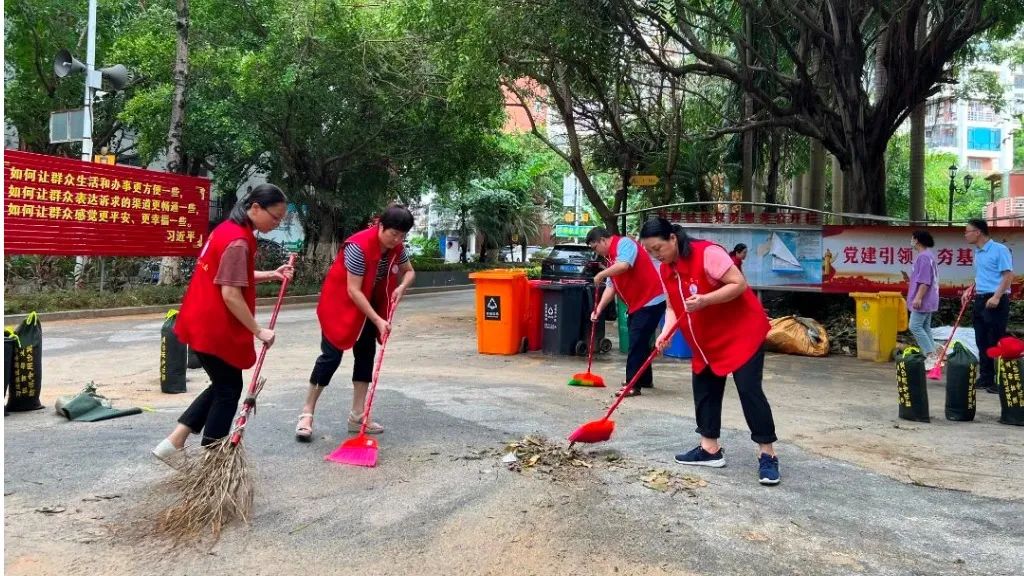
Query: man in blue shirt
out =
(993, 274)
(633, 275)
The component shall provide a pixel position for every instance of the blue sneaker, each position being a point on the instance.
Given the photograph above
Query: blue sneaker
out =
(701, 457)
(768, 469)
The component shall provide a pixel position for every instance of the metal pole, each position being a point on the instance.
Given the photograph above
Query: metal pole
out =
(90, 70)
(90, 67)
(952, 189)
(103, 272)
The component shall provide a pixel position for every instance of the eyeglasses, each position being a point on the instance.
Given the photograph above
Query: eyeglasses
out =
(277, 219)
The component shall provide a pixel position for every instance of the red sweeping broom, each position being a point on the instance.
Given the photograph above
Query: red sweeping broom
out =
(936, 372)
(217, 487)
(588, 378)
(601, 430)
(362, 449)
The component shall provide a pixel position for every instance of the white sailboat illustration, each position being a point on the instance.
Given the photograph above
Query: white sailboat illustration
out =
(783, 259)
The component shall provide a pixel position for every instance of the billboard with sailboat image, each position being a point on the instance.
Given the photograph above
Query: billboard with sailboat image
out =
(776, 257)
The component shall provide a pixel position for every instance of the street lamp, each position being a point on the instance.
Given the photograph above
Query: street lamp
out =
(968, 179)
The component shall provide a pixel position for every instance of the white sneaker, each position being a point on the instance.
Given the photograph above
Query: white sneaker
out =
(930, 361)
(168, 454)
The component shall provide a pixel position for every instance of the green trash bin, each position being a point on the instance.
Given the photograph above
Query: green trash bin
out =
(622, 321)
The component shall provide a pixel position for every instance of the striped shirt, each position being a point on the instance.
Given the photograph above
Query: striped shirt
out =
(355, 261)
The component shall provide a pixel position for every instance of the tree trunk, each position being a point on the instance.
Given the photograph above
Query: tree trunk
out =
(797, 190)
(866, 182)
(748, 135)
(815, 192)
(170, 267)
(917, 145)
(837, 190)
(771, 193)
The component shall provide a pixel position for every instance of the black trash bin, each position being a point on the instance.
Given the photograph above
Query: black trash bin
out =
(562, 317)
(602, 345)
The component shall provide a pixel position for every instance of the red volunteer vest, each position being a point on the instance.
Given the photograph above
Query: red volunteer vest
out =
(205, 323)
(639, 285)
(724, 336)
(340, 319)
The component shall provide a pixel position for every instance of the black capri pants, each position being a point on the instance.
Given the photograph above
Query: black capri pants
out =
(330, 358)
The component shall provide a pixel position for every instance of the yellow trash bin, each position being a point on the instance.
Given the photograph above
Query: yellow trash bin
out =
(876, 326)
(896, 304)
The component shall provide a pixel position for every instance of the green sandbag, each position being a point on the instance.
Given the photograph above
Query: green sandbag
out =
(88, 406)
(27, 377)
(961, 378)
(912, 385)
(1011, 391)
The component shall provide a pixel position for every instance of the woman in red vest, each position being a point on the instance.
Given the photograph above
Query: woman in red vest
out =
(217, 316)
(368, 278)
(739, 254)
(725, 326)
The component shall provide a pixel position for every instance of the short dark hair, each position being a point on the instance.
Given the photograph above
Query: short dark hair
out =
(980, 224)
(596, 234)
(738, 248)
(661, 228)
(924, 238)
(266, 195)
(397, 217)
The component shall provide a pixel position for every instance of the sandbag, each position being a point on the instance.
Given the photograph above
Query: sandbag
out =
(173, 357)
(1011, 391)
(27, 377)
(797, 335)
(961, 378)
(193, 359)
(912, 385)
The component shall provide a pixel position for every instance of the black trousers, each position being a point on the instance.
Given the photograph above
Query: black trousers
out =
(642, 325)
(989, 328)
(709, 388)
(214, 409)
(330, 358)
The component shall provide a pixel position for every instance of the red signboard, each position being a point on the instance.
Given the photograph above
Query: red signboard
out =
(60, 206)
(879, 258)
(790, 218)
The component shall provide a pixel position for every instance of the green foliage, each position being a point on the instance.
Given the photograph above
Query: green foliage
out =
(966, 204)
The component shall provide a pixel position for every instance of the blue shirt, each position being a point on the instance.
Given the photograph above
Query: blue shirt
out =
(990, 261)
(627, 252)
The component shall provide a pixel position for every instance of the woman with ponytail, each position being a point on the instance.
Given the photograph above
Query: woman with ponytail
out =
(725, 326)
(217, 317)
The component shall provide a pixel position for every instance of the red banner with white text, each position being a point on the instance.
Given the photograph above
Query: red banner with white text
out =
(879, 258)
(61, 206)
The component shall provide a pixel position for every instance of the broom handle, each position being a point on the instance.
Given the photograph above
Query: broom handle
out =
(956, 325)
(636, 377)
(247, 404)
(593, 329)
(368, 407)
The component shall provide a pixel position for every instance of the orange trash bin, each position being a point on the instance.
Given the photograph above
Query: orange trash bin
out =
(500, 308)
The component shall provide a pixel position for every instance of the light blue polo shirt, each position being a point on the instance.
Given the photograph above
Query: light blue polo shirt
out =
(627, 253)
(990, 261)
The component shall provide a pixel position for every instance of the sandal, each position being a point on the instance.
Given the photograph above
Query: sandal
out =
(634, 392)
(304, 433)
(355, 423)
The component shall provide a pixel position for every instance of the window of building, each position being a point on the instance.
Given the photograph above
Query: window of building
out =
(980, 112)
(975, 164)
(1018, 81)
(984, 139)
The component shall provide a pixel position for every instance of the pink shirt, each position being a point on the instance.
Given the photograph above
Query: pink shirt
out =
(716, 263)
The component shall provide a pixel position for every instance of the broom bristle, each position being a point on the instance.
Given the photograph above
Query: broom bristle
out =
(214, 489)
(587, 379)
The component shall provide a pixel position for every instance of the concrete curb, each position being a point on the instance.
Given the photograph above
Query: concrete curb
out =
(15, 319)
